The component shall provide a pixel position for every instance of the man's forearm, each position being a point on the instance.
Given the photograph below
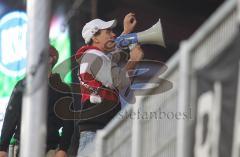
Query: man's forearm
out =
(131, 65)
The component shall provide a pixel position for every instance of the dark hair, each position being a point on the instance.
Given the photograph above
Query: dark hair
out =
(96, 34)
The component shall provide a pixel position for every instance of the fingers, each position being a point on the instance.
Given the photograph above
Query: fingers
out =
(132, 20)
(129, 23)
(130, 14)
(131, 17)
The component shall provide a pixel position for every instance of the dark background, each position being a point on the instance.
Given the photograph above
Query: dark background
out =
(180, 18)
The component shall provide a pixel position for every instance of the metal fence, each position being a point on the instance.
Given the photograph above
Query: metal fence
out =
(236, 142)
(158, 132)
(166, 127)
(115, 140)
(197, 53)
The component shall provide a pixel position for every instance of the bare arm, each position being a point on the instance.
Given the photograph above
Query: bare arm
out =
(136, 55)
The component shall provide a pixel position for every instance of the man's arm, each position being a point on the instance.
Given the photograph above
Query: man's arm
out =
(118, 75)
(67, 132)
(136, 55)
(112, 71)
(12, 117)
(68, 126)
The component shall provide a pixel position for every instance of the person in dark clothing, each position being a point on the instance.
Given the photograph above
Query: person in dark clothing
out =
(56, 146)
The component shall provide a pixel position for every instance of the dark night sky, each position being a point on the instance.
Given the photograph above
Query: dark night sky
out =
(180, 19)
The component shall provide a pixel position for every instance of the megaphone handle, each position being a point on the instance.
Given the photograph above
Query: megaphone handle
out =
(126, 39)
(131, 46)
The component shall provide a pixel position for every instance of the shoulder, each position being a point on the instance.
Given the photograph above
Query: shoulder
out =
(56, 82)
(21, 82)
(93, 54)
(20, 86)
(93, 57)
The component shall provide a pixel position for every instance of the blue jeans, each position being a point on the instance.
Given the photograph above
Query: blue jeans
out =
(86, 144)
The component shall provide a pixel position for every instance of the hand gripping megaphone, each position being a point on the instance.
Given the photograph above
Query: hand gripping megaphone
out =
(153, 35)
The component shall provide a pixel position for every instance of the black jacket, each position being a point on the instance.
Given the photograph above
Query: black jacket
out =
(96, 116)
(11, 125)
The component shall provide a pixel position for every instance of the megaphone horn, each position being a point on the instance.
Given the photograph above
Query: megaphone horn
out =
(153, 35)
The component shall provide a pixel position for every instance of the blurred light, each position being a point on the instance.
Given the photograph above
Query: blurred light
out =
(13, 47)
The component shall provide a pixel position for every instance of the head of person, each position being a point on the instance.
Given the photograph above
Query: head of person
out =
(99, 33)
(53, 57)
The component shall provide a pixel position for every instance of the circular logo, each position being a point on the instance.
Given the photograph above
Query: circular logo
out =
(13, 43)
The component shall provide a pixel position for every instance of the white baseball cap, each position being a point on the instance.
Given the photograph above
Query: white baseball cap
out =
(94, 26)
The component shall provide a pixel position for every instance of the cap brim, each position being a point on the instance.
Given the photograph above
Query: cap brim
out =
(109, 24)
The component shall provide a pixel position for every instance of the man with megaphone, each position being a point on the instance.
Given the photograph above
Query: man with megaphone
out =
(101, 78)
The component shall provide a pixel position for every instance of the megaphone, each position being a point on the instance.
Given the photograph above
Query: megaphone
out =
(153, 35)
